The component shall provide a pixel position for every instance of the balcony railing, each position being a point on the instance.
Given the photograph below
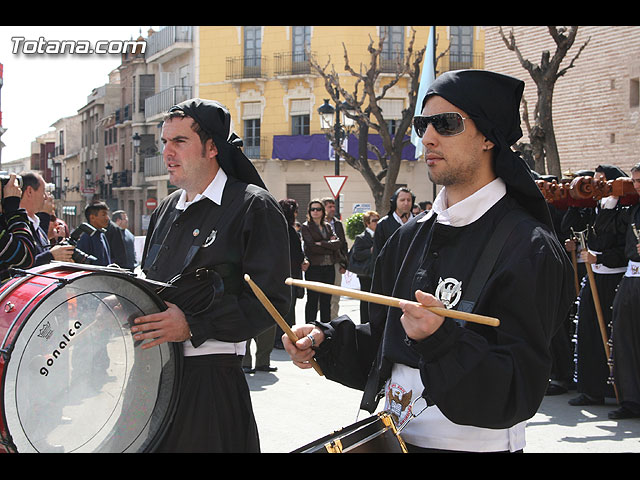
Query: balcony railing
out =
(256, 151)
(154, 166)
(121, 179)
(289, 63)
(167, 37)
(460, 61)
(163, 101)
(391, 62)
(123, 114)
(245, 67)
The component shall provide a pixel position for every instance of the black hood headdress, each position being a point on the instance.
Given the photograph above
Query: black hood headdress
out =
(215, 119)
(610, 171)
(492, 101)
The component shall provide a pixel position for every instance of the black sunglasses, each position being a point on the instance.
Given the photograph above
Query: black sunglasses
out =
(315, 209)
(447, 124)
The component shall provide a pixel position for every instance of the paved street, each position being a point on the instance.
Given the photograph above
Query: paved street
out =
(295, 407)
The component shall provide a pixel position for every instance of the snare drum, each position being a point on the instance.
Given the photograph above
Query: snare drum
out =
(72, 377)
(376, 434)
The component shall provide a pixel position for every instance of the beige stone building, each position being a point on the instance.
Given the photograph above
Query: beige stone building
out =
(596, 111)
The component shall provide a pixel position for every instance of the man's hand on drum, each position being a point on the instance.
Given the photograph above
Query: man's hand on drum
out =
(301, 352)
(418, 322)
(62, 253)
(168, 326)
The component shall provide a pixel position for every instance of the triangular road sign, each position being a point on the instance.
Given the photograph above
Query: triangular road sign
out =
(335, 182)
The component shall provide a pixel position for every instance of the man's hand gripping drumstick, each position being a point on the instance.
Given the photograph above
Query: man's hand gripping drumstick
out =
(294, 342)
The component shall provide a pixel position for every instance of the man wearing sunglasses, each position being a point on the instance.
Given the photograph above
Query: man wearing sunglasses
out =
(449, 385)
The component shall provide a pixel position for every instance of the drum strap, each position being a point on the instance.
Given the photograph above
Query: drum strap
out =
(226, 277)
(487, 261)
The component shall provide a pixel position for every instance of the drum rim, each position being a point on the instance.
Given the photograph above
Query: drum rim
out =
(6, 439)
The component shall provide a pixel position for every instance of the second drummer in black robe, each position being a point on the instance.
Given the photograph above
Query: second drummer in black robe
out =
(479, 383)
(625, 333)
(204, 238)
(605, 254)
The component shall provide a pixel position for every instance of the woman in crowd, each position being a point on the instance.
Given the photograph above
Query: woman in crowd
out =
(362, 255)
(320, 245)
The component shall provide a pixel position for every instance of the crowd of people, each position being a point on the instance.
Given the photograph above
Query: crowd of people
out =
(32, 234)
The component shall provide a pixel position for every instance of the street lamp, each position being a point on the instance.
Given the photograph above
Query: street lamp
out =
(88, 182)
(334, 118)
(136, 148)
(108, 170)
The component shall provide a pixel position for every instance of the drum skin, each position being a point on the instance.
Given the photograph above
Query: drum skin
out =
(72, 377)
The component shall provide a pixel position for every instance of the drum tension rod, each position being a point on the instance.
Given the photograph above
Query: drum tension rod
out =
(64, 281)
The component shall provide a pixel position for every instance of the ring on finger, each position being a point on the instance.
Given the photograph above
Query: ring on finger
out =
(313, 340)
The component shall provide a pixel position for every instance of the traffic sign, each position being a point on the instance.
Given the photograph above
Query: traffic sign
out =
(151, 203)
(335, 182)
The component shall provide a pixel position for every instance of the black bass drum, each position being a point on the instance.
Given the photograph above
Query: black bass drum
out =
(73, 378)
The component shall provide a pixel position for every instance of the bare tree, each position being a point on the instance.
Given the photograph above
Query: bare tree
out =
(364, 98)
(541, 133)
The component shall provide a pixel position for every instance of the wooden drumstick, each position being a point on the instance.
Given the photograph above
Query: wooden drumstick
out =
(390, 301)
(278, 318)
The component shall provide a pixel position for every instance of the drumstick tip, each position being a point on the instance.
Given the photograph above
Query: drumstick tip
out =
(247, 277)
(288, 281)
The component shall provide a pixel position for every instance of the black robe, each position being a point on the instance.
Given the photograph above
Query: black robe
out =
(251, 237)
(387, 225)
(477, 375)
(591, 362)
(625, 333)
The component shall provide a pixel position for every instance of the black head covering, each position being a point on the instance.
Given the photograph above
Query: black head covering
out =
(492, 101)
(215, 119)
(611, 172)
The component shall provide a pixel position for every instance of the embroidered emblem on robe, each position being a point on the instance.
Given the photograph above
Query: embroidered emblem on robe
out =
(209, 240)
(449, 291)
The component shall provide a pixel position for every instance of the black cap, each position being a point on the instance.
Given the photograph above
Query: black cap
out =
(215, 119)
(492, 101)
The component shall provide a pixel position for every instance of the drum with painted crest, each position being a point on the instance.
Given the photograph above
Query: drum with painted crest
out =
(72, 377)
(375, 434)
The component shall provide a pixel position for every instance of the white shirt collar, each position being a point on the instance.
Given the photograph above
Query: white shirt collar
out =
(213, 192)
(35, 221)
(471, 208)
(399, 220)
(371, 232)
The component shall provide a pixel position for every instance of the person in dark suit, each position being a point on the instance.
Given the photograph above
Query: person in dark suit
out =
(97, 214)
(362, 252)
(341, 255)
(33, 200)
(121, 241)
(400, 204)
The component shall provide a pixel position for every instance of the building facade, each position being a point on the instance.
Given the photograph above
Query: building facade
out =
(263, 75)
(596, 111)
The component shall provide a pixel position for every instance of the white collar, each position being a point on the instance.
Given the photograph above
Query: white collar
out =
(35, 220)
(213, 192)
(371, 232)
(471, 208)
(399, 220)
